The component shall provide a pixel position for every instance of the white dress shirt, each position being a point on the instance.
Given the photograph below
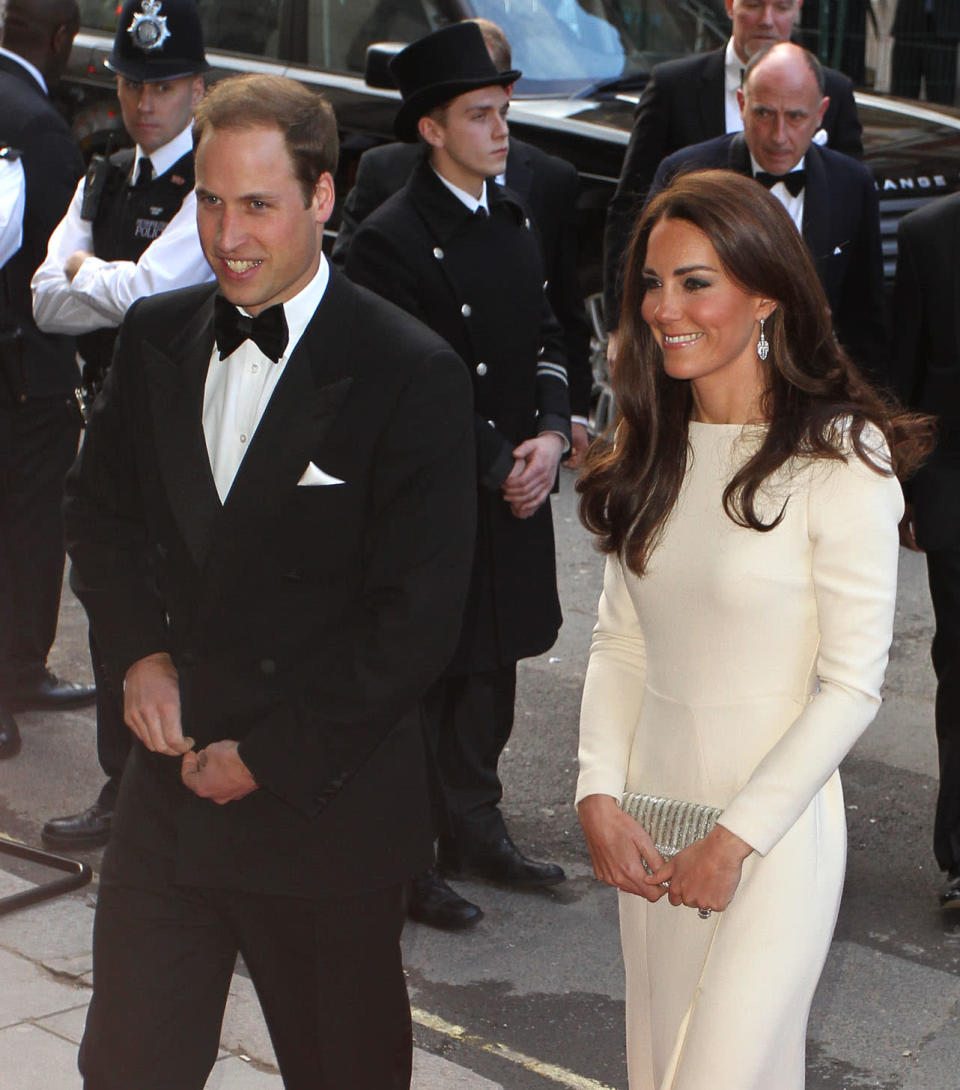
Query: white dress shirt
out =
(732, 75)
(793, 204)
(13, 189)
(102, 291)
(239, 387)
(472, 202)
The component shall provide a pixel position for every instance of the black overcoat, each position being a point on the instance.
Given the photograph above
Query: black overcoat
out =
(479, 282)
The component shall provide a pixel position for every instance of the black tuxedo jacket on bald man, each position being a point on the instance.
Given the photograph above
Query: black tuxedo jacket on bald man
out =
(683, 104)
(841, 227)
(305, 621)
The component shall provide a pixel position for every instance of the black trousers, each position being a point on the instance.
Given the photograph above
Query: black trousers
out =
(38, 442)
(469, 718)
(943, 572)
(328, 975)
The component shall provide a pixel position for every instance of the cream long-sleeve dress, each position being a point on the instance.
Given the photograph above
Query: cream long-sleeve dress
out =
(737, 672)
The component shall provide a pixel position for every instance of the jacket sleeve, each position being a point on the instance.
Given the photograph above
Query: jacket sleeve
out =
(910, 343)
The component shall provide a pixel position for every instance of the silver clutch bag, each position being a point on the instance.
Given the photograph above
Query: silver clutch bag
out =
(672, 824)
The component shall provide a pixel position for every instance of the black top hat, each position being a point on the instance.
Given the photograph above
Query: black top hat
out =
(437, 68)
(158, 40)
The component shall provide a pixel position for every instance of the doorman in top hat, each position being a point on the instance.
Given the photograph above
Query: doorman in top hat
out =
(130, 231)
(462, 255)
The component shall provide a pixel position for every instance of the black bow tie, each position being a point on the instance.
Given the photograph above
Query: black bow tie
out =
(268, 330)
(794, 181)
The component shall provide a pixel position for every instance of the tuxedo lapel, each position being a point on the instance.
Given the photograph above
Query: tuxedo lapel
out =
(175, 395)
(304, 405)
(816, 210)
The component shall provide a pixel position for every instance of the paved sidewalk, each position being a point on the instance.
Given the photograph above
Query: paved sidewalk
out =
(45, 977)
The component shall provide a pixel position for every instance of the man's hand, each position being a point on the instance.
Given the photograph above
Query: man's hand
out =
(579, 441)
(533, 473)
(73, 263)
(151, 705)
(217, 773)
(908, 530)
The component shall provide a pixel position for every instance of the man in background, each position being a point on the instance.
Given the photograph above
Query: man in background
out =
(39, 421)
(130, 231)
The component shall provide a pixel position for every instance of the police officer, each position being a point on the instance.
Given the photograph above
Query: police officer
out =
(39, 425)
(129, 231)
(462, 255)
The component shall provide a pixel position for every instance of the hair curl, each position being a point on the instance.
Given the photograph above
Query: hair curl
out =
(816, 402)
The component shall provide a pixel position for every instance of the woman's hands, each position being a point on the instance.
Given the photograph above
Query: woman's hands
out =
(618, 845)
(706, 874)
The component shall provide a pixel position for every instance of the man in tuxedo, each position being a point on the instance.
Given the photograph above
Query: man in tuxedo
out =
(461, 254)
(271, 525)
(831, 198)
(694, 99)
(550, 187)
(39, 422)
(926, 377)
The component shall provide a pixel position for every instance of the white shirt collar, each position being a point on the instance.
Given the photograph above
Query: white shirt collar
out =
(31, 68)
(164, 158)
(463, 196)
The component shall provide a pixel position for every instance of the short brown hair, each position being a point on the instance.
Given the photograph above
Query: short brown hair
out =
(497, 43)
(304, 117)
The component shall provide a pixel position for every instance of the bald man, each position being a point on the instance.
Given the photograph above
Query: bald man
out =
(693, 99)
(830, 197)
(39, 421)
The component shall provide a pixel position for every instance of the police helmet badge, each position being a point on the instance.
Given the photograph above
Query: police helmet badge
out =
(148, 29)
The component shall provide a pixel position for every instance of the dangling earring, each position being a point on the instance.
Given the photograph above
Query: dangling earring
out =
(763, 345)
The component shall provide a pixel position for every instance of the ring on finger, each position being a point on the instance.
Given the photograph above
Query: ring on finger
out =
(704, 913)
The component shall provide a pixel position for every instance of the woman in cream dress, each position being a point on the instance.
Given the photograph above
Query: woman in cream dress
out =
(748, 507)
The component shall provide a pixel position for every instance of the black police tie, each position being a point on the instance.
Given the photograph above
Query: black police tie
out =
(794, 181)
(145, 173)
(268, 330)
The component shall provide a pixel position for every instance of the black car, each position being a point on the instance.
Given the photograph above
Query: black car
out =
(584, 64)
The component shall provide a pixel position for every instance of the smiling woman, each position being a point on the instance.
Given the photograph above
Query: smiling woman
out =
(749, 506)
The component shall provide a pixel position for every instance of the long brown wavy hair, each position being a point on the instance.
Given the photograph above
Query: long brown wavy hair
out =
(816, 402)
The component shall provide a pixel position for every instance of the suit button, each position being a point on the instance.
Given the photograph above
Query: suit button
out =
(491, 423)
(268, 667)
(466, 310)
(438, 253)
(526, 223)
(546, 285)
(481, 368)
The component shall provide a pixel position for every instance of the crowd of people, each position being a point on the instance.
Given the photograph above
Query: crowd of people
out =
(310, 524)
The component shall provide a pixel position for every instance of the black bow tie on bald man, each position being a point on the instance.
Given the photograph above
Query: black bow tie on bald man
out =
(794, 181)
(268, 330)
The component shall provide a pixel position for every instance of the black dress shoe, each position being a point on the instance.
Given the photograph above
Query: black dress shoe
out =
(950, 898)
(9, 735)
(52, 693)
(498, 860)
(89, 829)
(431, 901)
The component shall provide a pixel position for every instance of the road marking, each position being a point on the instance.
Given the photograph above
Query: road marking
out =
(556, 1074)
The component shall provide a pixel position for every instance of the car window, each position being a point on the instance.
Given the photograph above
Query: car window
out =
(339, 31)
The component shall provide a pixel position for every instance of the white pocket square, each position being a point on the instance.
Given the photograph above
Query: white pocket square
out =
(313, 474)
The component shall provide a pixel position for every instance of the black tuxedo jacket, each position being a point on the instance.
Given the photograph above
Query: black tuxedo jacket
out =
(478, 282)
(683, 104)
(911, 19)
(841, 227)
(549, 186)
(926, 358)
(32, 363)
(304, 621)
